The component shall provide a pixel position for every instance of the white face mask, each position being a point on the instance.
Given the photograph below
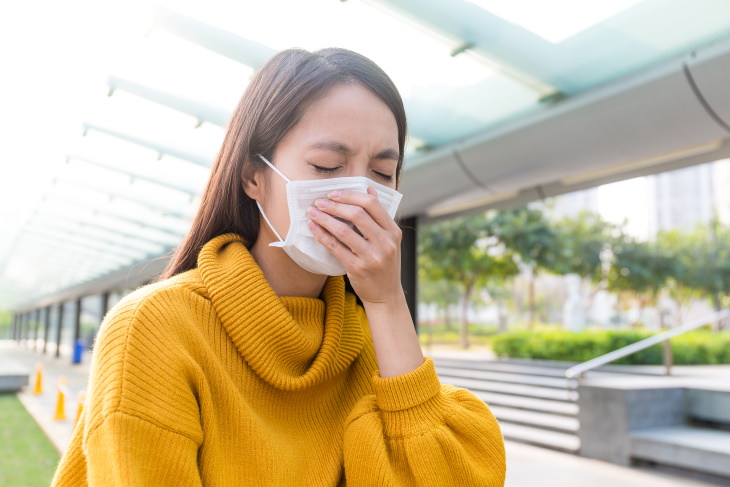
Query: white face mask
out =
(300, 244)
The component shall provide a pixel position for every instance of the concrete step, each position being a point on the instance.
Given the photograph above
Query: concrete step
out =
(515, 378)
(552, 422)
(506, 366)
(698, 449)
(13, 376)
(560, 408)
(514, 389)
(549, 368)
(540, 437)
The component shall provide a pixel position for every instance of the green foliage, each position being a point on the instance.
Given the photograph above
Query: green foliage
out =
(461, 253)
(694, 348)
(447, 335)
(702, 258)
(27, 458)
(459, 250)
(526, 231)
(641, 267)
(581, 242)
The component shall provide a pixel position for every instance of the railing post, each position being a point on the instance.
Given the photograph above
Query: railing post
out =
(668, 358)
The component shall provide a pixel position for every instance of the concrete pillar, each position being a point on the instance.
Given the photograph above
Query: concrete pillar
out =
(36, 325)
(46, 327)
(609, 410)
(59, 328)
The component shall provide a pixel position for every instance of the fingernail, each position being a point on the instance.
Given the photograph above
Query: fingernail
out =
(322, 203)
(335, 194)
(313, 212)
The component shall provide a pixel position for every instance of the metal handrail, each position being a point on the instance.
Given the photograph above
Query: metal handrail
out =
(582, 368)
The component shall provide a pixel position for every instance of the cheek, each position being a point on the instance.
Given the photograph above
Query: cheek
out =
(276, 206)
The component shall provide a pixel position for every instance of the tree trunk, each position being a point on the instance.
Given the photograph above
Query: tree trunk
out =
(464, 316)
(531, 300)
(501, 317)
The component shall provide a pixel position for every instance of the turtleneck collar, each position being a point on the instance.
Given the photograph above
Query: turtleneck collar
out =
(290, 342)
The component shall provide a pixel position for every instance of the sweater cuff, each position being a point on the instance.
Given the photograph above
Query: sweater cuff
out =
(407, 390)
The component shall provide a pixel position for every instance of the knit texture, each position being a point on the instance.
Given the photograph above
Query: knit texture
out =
(210, 378)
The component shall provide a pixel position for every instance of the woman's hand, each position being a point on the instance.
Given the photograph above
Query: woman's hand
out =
(371, 256)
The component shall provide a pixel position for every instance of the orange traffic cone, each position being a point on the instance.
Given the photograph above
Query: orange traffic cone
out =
(60, 414)
(38, 387)
(79, 406)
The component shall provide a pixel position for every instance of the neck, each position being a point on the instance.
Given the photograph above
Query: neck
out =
(284, 276)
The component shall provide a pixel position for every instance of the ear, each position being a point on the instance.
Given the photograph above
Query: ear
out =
(253, 185)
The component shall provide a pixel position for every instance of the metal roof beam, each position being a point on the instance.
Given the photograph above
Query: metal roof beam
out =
(117, 195)
(108, 238)
(106, 228)
(161, 149)
(77, 245)
(115, 216)
(201, 111)
(128, 277)
(232, 46)
(110, 167)
(108, 245)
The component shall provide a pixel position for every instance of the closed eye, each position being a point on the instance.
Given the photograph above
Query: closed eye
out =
(385, 177)
(325, 170)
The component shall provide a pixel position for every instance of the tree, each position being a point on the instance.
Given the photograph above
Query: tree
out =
(642, 268)
(526, 231)
(461, 251)
(584, 244)
(703, 257)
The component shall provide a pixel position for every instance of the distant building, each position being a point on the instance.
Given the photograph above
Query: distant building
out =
(684, 198)
(721, 190)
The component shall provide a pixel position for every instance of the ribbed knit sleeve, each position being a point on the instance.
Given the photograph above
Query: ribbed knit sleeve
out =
(415, 432)
(141, 425)
(125, 450)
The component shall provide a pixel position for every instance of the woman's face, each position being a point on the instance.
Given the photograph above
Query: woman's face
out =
(348, 132)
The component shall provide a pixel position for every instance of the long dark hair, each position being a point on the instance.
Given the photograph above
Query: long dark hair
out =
(273, 103)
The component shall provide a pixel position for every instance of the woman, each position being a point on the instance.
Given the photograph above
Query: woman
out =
(248, 364)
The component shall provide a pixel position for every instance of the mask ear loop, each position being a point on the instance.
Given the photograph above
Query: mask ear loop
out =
(261, 210)
(273, 167)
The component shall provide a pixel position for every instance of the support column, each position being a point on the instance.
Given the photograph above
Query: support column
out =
(24, 328)
(104, 305)
(36, 325)
(59, 328)
(77, 333)
(46, 328)
(409, 264)
(16, 320)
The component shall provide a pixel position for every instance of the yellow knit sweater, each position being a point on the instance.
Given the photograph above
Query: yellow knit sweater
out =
(210, 378)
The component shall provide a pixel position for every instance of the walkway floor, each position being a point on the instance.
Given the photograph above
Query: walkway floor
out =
(527, 465)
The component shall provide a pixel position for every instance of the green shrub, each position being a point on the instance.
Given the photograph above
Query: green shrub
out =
(694, 348)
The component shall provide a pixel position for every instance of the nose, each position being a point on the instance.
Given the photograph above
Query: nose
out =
(358, 167)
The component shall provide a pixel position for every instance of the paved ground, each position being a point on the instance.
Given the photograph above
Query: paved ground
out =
(527, 465)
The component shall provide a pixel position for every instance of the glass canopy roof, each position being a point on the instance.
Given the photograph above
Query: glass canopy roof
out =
(113, 111)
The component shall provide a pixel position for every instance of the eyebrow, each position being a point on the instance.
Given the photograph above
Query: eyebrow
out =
(343, 149)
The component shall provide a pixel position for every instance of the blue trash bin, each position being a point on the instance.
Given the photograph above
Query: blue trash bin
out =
(78, 351)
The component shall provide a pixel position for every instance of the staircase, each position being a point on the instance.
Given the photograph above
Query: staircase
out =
(532, 400)
(687, 432)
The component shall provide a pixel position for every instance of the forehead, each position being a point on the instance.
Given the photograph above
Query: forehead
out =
(350, 114)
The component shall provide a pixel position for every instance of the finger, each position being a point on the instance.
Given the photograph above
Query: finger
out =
(355, 217)
(343, 253)
(368, 201)
(336, 231)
